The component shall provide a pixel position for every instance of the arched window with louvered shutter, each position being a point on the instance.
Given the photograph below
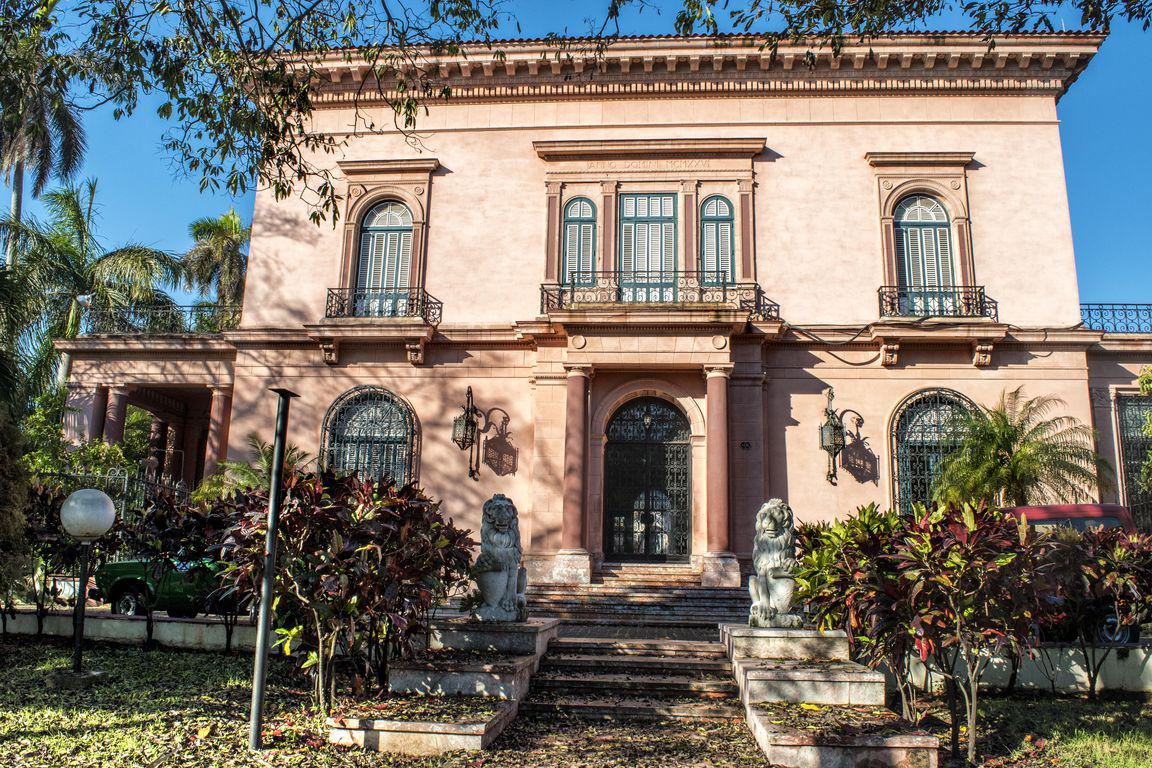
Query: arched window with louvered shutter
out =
(383, 272)
(924, 257)
(717, 241)
(579, 242)
(370, 431)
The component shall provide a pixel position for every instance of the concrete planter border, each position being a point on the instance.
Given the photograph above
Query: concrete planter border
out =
(462, 633)
(414, 737)
(789, 747)
(504, 679)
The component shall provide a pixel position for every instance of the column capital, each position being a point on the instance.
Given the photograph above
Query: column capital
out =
(578, 370)
(713, 371)
(120, 390)
(223, 390)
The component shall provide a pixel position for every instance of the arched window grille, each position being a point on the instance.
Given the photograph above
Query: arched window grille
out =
(924, 257)
(383, 273)
(717, 241)
(1133, 413)
(372, 432)
(579, 242)
(925, 429)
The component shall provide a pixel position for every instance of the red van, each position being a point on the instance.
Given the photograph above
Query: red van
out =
(1083, 517)
(1079, 516)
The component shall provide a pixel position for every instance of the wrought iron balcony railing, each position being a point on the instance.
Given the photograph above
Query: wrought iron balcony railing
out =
(160, 319)
(390, 302)
(954, 301)
(1117, 318)
(669, 289)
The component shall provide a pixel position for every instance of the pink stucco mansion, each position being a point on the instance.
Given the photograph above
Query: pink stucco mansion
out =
(650, 268)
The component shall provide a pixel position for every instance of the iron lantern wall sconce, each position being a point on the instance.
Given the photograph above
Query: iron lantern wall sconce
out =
(466, 431)
(833, 436)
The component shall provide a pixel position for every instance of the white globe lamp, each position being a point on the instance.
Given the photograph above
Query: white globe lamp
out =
(86, 515)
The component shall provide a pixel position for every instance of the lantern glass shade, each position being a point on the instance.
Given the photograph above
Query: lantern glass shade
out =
(832, 436)
(464, 431)
(88, 514)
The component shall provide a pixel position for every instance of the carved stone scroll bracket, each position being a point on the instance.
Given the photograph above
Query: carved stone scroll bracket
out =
(889, 352)
(414, 350)
(982, 353)
(330, 348)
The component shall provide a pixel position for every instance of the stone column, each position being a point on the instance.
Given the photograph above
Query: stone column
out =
(219, 419)
(573, 565)
(175, 460)
(115, 415)
(98, 413)
(720, 567)
(158, 443)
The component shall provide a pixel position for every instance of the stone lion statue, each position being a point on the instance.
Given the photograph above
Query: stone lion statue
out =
(772, 584)
(500, 577)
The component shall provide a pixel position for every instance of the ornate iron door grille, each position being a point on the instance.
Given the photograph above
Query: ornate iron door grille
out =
(926, 429)
(1133, 412)
(647, 498)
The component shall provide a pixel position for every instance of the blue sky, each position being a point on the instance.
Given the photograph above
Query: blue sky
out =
(1104, 117)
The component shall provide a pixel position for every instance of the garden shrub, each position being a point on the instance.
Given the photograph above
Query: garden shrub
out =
(957, 586)
(15, 555)
(360, 563)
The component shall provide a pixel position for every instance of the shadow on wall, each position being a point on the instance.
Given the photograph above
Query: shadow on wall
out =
(276, 263)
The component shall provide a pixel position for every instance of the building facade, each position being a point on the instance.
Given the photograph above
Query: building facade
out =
(649, 268)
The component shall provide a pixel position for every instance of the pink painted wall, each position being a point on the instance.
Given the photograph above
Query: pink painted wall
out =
(817, 232)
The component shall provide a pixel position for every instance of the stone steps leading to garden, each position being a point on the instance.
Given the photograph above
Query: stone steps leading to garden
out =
(658, 647)
(655, 678)
(626, 602)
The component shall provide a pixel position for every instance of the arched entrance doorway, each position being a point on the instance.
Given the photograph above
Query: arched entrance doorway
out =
(647, 495)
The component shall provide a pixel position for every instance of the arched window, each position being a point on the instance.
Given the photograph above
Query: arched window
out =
(925, 429)
(384, 269)
(717, 242)
(924, 260)
(579, 242)
(370, 431)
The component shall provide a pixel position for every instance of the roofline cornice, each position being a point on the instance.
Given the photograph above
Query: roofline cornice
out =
(946, 62)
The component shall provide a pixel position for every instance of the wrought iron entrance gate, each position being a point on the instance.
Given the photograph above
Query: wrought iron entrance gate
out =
(646, 483)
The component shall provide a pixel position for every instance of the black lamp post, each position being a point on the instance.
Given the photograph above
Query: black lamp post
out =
(86, 515)
(264, 625)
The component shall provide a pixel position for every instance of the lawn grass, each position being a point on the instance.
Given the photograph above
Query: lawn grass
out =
(169, 709)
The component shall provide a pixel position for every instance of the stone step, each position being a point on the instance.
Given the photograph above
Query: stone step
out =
(650, 685)
(635, 708)
(632, 614)
(638, 664)
(808, 682)
(668, 593)
(612, 646)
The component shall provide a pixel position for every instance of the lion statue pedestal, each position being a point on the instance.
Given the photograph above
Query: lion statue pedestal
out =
(498, 572)
(772, 585)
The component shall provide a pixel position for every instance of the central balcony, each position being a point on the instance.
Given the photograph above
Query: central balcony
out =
(951, 301)
(384, 303)
(661, 289)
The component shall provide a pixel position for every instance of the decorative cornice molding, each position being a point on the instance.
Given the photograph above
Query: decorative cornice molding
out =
(355, 168)
(611, 149)
(919, 159)
(664, 66)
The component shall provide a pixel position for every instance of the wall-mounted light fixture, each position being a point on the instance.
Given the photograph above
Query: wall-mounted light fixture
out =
(499, 454)
(832, 433)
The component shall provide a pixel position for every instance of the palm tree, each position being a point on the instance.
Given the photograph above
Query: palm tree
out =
(40, 129)
(232, 476)
(64, 269)
(218, 260)
(1017, 453)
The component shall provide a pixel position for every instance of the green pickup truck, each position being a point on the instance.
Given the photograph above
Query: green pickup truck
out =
(181, 588)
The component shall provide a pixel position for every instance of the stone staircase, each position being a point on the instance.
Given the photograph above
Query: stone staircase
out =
(635, 679)
(652, 595)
